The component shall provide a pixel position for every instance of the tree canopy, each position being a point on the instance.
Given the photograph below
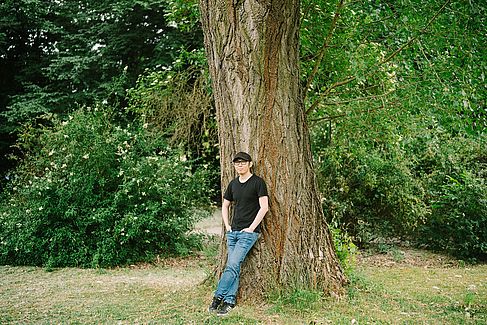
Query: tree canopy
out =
(60, 55)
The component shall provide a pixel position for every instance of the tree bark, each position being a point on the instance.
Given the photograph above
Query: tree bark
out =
(253, 53)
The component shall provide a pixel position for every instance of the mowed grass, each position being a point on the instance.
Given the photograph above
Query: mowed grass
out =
(413, 289)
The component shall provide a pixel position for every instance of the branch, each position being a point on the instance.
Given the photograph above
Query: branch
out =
(327, 91)
(422, 30)
(430, 64)
(323, 47)
(387, 59)
(334, 117)
(359, 99)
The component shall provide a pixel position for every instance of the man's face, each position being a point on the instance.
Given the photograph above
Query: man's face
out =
(242, 167)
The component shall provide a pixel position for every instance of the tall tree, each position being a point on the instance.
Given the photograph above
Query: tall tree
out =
(253, 55)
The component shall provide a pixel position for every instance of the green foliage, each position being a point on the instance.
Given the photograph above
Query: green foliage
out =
(96, 190)
(297, 300)
(425, 186)
(458, 198)
(89, 51)
(57, 56)
(367, 184)
(345, 249)
(397, 112)
(177, 102)
(184, 14)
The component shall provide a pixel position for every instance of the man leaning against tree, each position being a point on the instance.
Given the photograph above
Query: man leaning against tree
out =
(248, 193)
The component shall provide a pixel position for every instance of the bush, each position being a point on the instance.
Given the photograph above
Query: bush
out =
(97, 191)
(428, 187)
(345, 249)
(369, 192)
(178, 104)
(458, 198)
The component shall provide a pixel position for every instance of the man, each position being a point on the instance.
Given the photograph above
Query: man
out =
(248, 193)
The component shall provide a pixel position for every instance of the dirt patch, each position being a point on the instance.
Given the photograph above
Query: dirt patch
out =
(211, 225)
(404, 256)
(169, 279)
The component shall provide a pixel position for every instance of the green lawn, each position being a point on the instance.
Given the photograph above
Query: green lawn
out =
(417, 288)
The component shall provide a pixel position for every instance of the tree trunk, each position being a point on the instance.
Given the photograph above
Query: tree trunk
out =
(253, 51)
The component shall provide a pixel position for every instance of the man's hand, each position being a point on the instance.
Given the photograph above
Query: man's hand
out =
(247, 230)
(225, 206)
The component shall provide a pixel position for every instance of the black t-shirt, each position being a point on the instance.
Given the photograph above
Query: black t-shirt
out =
(246, 201)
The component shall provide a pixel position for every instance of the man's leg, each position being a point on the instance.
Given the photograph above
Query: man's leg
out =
(231, 274)
(222, 287)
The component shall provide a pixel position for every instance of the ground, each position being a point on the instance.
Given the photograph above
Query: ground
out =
(393, 285)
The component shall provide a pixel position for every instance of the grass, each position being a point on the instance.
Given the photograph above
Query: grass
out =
(417, 289)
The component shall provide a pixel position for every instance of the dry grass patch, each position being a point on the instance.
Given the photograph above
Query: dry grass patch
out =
(420, 288)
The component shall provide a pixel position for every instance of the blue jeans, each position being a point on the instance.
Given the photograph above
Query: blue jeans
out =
(239, 244)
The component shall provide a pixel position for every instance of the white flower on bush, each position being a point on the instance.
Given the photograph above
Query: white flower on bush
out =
(86, 156)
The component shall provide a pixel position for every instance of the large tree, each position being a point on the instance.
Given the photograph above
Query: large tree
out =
(253, 55)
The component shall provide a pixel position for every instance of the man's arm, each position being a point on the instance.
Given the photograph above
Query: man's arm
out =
(225, 207)
(264, 207)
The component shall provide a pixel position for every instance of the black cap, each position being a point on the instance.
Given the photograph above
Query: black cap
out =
(242, 156)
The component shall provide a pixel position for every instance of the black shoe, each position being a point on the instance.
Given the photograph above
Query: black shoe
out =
(225, 309)
(215, 304)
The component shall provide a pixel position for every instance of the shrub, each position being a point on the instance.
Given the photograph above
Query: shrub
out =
(97, 190)
(428, 187)
(370, 193)
(458, 199)
(178, 104)
(344, 247)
